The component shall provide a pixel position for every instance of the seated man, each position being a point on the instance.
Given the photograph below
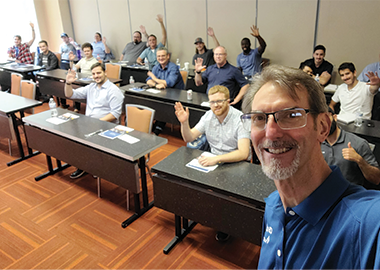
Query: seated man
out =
(305, 68)
(249, 61)
(150, 53)
(104, 99)
(222, 73)
(351, 154)
(133, 49)
(21, 52)
(47, 59)
(86, 62)
(322, 69)
(374, 67)
(202, 52)
(164, 75)
(353, 95)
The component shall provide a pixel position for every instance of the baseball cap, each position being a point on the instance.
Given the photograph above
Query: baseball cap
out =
(64, 35)
(198, 40)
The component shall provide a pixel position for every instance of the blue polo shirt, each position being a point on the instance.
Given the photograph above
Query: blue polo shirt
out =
(374, 67)
(170, 74)
(228, 76)
(151, 55)
(250, 63)
(336, 227)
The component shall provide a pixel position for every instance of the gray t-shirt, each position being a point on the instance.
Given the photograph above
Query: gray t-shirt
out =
(350, 169)
(207, 56)
(132, 51)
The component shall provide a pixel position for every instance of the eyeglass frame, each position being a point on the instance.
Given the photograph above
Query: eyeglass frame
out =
(215, 102)
(242, 117)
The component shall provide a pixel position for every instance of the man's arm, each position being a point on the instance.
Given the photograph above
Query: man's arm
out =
(109, 118)
(332, 104)
(256, 34)
(106, 49)
(164, 35)
(240, 154)
(371, 173)
(143, 31)
(210, 32)
(324, 78)
(241, 94)
(70, 78)
(188, 134)
(156, 80)
(33, 35)
(197, 69)
(374, 81)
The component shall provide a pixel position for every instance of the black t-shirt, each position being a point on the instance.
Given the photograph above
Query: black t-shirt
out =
(325, 66)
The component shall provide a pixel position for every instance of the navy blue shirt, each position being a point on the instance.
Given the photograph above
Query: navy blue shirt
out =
(170, 74)
(336, 227)
(228, 76)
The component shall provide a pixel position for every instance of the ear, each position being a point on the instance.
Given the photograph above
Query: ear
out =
(323, 126)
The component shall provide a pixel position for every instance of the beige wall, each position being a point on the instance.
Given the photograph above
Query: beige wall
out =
(347, 28)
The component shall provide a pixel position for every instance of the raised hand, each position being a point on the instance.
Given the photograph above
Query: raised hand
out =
(180, 112)
(71, 56)
(142, 29)
(254, 31)
(71, 76)
(210, 32)
(198, 64)
(373, 78)
(160, 18)
(104, 40)
(31, 25)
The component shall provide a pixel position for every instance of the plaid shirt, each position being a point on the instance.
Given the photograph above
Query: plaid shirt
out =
(24, 55)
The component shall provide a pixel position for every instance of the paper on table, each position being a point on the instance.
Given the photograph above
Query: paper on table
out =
(128, 138)
(56, 120)
(346, 117)
(205, 104)
(194, 164)
(123, 128)
(154, 91)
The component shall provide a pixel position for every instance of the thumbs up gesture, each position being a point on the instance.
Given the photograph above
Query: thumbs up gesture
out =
(350, 154)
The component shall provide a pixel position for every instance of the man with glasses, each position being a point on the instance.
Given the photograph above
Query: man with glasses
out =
(222, 73)
(224, 131)
(316, 219)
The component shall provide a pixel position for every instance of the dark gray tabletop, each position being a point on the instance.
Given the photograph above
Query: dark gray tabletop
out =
(243, 180)
(11, 103)
(369, 128)
(23, 68)
(170, 95)
(77, 129)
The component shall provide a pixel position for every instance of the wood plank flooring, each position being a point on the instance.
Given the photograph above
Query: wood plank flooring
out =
(60, 223)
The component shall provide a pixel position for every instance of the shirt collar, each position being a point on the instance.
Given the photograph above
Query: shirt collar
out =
(323, 198)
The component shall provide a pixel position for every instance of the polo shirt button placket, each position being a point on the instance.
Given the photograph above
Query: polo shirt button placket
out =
(278, 252)
(291, 212)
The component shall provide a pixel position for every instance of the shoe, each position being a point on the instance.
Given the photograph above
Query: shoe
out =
(76, 110)
(64, 106)
(78, 173)
(222, 237)
(157, 130)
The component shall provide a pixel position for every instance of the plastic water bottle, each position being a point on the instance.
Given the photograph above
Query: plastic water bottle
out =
(53, 108)
(146, 63)
(178, 63)
(359, 118)
(131, 80)
(317, 78)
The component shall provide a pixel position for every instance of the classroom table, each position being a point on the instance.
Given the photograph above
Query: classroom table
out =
(163, 102)
(190, 84)
(229, 199)
(52, 82)
(115, 160)
(9, 106)
(138, 72)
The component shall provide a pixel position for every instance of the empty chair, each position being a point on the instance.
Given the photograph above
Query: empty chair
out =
(184, 76)
(113, 71)
(28, 90)
(16, 84)
(59, 58)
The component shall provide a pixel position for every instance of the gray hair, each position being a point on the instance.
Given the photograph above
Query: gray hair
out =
(163, 49)
(290, 80)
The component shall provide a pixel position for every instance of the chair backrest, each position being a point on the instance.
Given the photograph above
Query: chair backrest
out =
(184, 76)
(139, 117)
(16, 84)
(28, 90)
(33, 55)
(113, 71)
(59, 58)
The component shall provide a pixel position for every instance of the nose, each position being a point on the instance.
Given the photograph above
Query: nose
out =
(272, 130)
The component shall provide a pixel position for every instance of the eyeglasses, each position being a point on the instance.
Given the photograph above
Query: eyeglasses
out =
(286, 119)
(219, 54)
(217, 102)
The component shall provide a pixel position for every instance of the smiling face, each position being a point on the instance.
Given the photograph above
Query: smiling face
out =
(318, 55)
(17, 41)
(43, 47)
(220, 56)
(65, 39)
(219, 103)
(87, 52)
(152, 41)
(97, 37)
(245, 45)
(136, 37)
(199, 46)
(282, 152)
(348, 77)
(99, 75)
(307, 70)
(162, 57)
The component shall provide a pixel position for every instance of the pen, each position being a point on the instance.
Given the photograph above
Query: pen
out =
(93, 133)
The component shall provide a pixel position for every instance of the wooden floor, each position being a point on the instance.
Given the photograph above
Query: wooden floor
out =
(60, 223)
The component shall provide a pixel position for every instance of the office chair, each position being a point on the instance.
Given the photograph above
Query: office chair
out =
(113, 71)
(28, 90)
(184, 76)
(16, 84)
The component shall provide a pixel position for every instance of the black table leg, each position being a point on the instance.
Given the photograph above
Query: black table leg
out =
(52, 170)
(180, 232)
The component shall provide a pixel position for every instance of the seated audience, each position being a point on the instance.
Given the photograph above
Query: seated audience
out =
(202, 52)
(354, 95)
(20, 52)
(104, 100)
(249, 61)
(101, 51)
(322, 69)
(150, 53)
(222, 73)
(305, 68)
(87, 61)
(351, 154)
(47, 59)
(133, 49)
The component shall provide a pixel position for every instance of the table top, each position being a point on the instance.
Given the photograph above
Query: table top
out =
(77, 128)
(369, 128)
(11, 103)
(170, 95)
(243, 180)
(134, 66)
(21, 67)
(60, 74)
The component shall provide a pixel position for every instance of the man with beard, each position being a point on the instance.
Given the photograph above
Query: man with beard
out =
(354, 95)
(316, 219)
(202, 52)
(351, 154)
(133, 49)
(104, 100)
(249, 61)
